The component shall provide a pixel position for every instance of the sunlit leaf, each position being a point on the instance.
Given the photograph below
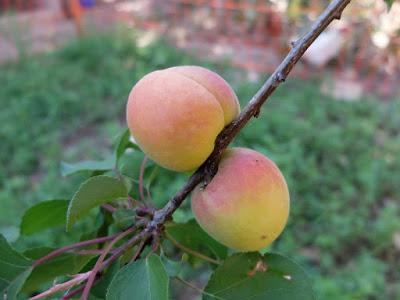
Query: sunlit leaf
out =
(252, 276)
(92, 193)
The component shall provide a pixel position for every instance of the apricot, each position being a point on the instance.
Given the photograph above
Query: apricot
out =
(246, 204)
(176, 114)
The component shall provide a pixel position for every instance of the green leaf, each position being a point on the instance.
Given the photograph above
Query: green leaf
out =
(144, 279)
(16, 285)
(192, 236)
(130, 164)
(172, 267)
(93, 192)
(64, 264)
(14, 269)
(100, 289)
(44, 215)
(87, 165)
(124, 218)
(256, 277)
(123, 143)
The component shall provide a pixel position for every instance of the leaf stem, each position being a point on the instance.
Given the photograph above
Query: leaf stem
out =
(72, 246)
(99, 263)
(62, 286)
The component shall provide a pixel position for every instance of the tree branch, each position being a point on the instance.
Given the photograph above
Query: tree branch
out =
(205, 173)
(208, 169)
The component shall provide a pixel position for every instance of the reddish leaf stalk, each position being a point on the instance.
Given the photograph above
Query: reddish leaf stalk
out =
(99, 262)
(71, 247)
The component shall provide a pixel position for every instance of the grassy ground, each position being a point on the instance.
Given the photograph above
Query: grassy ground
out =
(340, 158)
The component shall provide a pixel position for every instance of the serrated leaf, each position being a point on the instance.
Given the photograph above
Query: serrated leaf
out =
(64, 264)
(94, 192)
(14, 269)
(192, 236)
(44, 215)
(256, 277)
(87, 165)
(145, 279)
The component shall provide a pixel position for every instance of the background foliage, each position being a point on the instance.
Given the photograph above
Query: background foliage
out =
(340, 158)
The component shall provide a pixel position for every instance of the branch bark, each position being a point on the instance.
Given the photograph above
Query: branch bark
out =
(205, 173)
(154, 227)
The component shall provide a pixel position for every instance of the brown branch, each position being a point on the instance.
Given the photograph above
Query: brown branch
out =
(205, 173)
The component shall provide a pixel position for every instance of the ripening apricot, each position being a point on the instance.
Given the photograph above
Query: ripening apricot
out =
(246, 205)
(176, 114)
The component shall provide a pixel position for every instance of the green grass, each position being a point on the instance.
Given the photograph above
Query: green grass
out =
(340, 158)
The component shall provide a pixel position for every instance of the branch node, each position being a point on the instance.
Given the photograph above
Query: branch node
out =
(338, 15)
(144, 211)
(280, 77)
(257, 112)
(209, 173)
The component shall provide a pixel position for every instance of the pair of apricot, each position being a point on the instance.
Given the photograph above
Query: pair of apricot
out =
(175, 116)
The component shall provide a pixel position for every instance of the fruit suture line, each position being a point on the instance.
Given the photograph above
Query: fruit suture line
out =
(149, 231)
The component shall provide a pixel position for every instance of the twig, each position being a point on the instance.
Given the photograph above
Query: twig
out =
(73, 293)
(118, 252)
(63, 286)
(190, 251)
(208, 169)
(90, 251)
(73, 246)
(99, 262)
(139, 250)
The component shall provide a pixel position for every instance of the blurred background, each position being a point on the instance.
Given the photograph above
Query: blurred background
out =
(66, 68)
